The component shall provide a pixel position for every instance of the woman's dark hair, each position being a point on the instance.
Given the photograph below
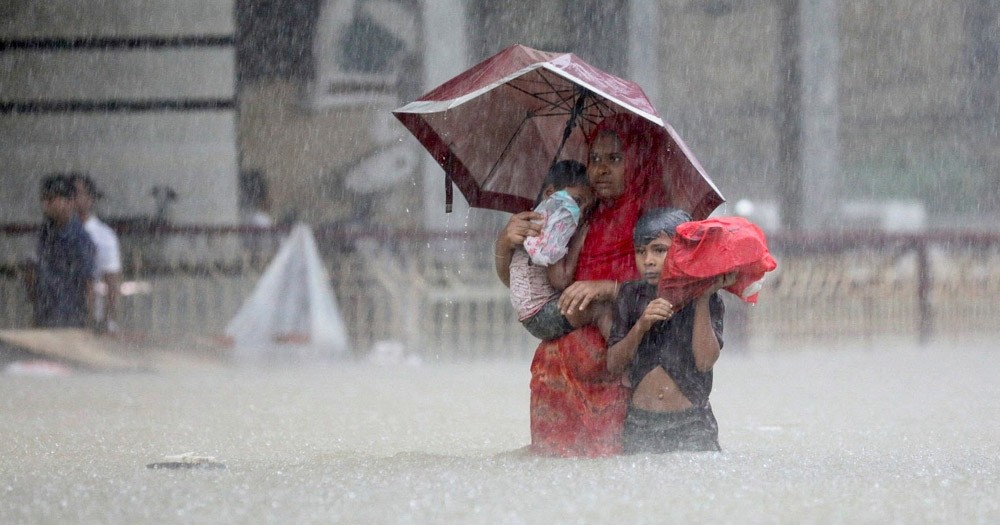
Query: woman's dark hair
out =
(657, 221)
(563, 174)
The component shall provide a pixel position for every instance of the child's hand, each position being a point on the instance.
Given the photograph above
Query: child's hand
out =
(657, 310)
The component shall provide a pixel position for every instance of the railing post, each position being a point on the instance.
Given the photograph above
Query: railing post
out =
(924, 282)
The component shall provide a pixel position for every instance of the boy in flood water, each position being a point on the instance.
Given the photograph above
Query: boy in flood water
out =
(668, 354)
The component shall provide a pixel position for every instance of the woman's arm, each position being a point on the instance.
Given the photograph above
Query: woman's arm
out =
(520, 226)
(580, 294)
(620, 354)
(704, 342)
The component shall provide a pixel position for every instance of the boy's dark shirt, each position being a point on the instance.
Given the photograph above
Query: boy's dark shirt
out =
(66, 259)
(667, 343)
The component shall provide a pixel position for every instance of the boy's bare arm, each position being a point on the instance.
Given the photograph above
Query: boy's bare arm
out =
(704, 343)
(113, 282)
(562, 273)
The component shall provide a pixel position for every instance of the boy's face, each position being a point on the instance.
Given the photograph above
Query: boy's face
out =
(649, 258)
(57, 208)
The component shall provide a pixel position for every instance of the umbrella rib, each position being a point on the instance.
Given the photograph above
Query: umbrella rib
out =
(506, 149)
(601, 105)
(568, 101)
(537, 96)
(549, 114)
(566, 97)
(603, 110)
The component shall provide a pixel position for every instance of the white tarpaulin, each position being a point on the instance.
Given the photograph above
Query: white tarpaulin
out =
(292, 310)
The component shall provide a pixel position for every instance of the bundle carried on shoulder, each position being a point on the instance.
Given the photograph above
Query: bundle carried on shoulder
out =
(703, 250)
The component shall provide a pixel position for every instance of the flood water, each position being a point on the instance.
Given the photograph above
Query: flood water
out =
(851, 434)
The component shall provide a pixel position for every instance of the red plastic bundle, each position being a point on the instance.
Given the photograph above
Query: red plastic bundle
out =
(703, 250)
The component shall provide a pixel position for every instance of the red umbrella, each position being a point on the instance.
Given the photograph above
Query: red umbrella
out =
(497, 127)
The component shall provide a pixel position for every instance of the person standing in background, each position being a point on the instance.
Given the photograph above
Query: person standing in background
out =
(61, 285)
(255, 199)
(108, 263)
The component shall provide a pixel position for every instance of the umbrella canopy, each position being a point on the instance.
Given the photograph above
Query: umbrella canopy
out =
(497, 127)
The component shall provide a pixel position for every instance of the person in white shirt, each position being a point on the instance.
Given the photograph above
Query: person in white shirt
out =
(108, 267)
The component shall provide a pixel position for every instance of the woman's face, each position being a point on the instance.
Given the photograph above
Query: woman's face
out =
(606, 167)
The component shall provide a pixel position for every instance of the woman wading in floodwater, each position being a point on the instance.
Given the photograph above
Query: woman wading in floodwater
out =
(577, 406)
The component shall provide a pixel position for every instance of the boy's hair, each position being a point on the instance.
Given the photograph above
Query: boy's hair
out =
(58, 185)
(563, 174)
(657, 221)
(88, 183)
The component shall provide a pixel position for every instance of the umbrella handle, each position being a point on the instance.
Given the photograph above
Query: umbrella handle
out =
(581, 101)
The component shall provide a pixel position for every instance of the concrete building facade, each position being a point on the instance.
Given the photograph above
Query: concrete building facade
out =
(310, 86)
(140, 94)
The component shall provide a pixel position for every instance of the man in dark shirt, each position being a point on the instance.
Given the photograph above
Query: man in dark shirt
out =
(669, 352)
(62, 286)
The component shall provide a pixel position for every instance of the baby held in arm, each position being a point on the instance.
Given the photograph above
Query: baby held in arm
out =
(545, 263)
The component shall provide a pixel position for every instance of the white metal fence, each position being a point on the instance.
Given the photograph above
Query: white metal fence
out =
(439, 296)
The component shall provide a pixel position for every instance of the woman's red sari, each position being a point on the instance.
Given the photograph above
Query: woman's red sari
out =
(577, 406)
